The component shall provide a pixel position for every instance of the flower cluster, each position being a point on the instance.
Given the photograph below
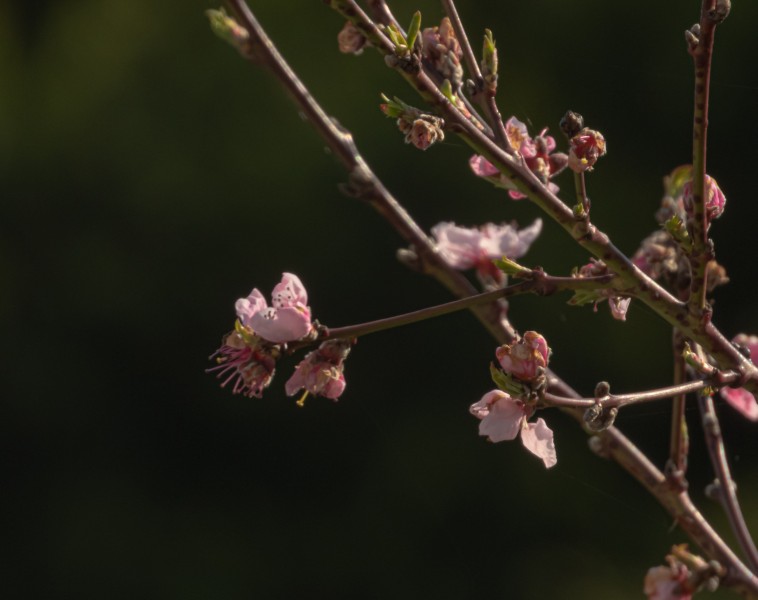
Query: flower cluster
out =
(537, 153)
(669, 582)
(503, 416)
(248, 355)
(476, 247)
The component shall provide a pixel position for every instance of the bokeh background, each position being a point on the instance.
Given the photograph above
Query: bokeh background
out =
(149, 177)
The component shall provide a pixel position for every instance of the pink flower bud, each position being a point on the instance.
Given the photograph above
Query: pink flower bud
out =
(715, 200)
(526, 358)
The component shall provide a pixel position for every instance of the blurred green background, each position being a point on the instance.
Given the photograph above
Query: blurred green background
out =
(149, 177)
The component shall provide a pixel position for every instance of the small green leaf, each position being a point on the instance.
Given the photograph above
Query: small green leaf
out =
(447, 90)
(413, 29)
(582, 297)
(510, 267)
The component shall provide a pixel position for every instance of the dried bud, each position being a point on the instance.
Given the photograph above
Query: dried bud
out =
(424, 131)
(350, 39)
(586, 147)
(571, 123)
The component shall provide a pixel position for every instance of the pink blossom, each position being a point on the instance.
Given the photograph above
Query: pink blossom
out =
(537, 153)
(289, 317)
(526, 358)
(715, 200)
(503, 418)
(320, 372)
(739, 398)
(467, 248)
(247, 361)
(619, 306)
(667, 583)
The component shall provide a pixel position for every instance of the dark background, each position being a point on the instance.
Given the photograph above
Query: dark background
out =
(149, 177)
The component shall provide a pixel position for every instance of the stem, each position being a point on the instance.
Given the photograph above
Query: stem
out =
(486, 101)
(727, 486)
(580, 185)
(679, 446)
(542, 285)
(701, 254)
(619, 400)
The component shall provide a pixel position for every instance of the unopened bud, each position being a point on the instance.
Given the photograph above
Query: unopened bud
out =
(229, 30)
(350, 39)
(425, 131)
(571, 123)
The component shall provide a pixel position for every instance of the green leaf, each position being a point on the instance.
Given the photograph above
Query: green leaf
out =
(413, 29)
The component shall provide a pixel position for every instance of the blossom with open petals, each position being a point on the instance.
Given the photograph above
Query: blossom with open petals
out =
(476, 247)
(537, 153)
(503, 418)
(286, 320)
(526, 358)
(739, 398)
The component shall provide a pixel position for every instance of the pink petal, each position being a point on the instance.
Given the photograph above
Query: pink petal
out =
(742, 401)
(482, 167)
(247, 307)
(282, 325)
(297, 381)
(502, 421)
(619, 306)
(537, 437)
(289, 292)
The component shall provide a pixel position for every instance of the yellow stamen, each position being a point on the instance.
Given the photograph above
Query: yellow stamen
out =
(301, 402)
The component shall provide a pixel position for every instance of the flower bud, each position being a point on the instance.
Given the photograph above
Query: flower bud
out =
(714, 199)
(526, 358)
(351, 39)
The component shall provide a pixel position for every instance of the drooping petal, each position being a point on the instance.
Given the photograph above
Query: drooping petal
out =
(501, 416)
(537, 437)
(619, 306)
(742, 401)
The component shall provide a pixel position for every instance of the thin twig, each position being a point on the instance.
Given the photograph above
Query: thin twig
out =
(727, 489)
(679, 445)
(487, 102)
(543, 285)
(619, 400)
(702, 54)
